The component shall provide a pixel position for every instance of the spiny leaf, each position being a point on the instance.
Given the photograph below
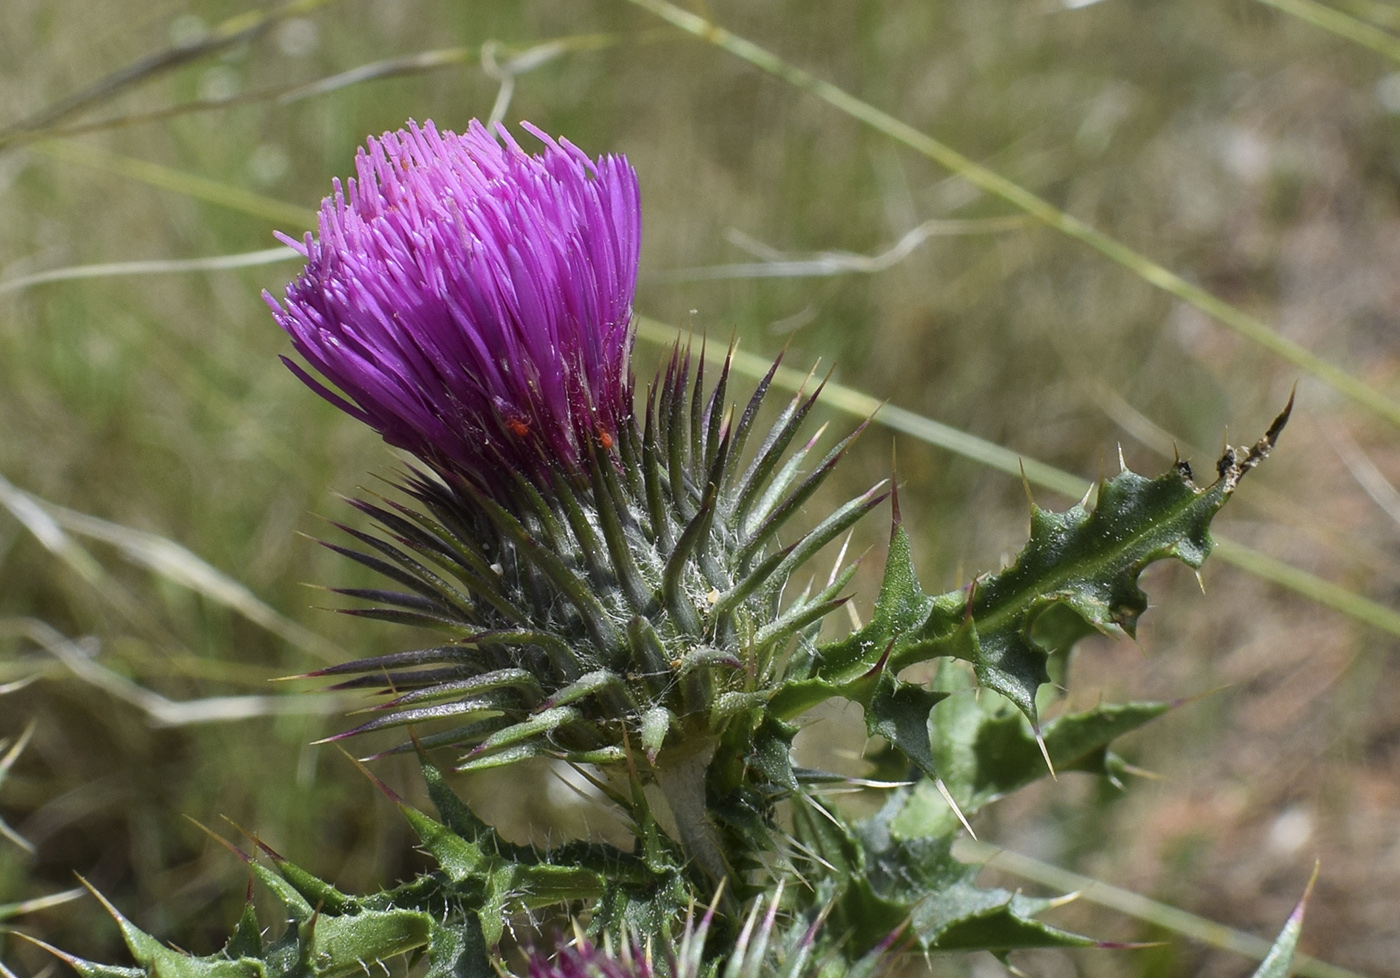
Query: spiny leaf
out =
(1081, 564)
(460, 858)
(888, 870)
(947, 908)
(337, 946)
(984, 750)
(899, 712)
(246, 940)
(157, 959)
(459, 951)
(320, 894)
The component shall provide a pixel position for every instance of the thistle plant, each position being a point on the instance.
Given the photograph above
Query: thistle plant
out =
(611, 574)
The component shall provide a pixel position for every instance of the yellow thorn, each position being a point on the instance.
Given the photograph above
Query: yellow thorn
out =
(1026, 485)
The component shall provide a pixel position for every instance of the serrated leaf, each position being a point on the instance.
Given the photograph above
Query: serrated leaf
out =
(459, 951)
(899, 712)
(984, 750)
(337, 946)
(1078, 572)
(885, 872)
(948, 910)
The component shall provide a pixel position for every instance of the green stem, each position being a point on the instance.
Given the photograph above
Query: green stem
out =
(680, 774)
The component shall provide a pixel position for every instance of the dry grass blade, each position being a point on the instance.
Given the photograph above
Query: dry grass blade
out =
(239, 28)
(81, 660)
(159, 555)
(828, 263)
(266, 256)
(1013, 193)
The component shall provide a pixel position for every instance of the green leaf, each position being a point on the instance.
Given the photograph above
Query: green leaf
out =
(459, 951)
(983, 749)
(459, 858)
(948, 910)
(337, 946)
(898, 867)
(900, 607)
(899, 712)
(157, 959)
(1077, 573)
(246, 941)
(771, 751)
(315, 891)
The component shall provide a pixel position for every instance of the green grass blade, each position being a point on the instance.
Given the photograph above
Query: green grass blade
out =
(994, 183)
(290, 217)
(1309, 585)
(238, 28)
(1342, 24)
(266, 256)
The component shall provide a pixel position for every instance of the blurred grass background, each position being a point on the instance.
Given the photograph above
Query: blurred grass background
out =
(1252, 153)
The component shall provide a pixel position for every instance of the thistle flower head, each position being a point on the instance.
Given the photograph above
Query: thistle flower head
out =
(606, 577)
(472, 302)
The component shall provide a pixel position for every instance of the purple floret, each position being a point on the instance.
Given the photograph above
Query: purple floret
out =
(472, 302)
(584, 960)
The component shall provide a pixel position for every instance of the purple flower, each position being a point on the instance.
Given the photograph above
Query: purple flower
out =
(472, 302)
(585, 960)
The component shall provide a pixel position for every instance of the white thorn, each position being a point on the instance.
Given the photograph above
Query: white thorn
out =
(1045, 754)
(1122, 462)
(948, 797)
